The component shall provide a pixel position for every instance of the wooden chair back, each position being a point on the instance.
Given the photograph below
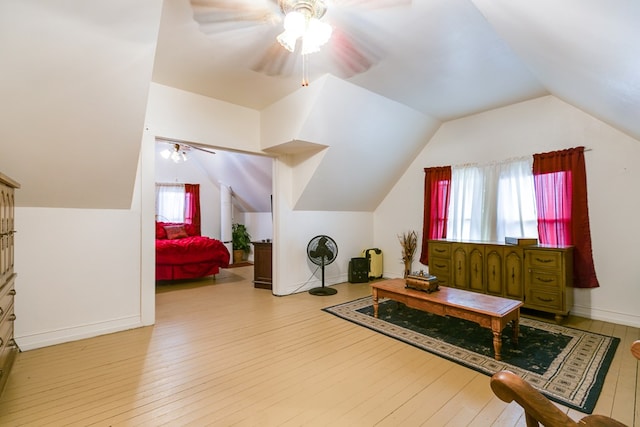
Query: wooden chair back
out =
(509, 387)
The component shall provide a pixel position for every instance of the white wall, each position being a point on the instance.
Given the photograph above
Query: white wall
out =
(541, 125)
(82, 280)
(292, 271)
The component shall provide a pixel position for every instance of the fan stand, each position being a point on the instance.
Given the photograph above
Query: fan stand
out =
(322, 291)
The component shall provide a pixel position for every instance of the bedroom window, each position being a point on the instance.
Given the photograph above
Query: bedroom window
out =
(179, 203)
(170, 201)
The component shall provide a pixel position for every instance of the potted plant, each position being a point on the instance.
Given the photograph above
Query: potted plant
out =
(241, 240)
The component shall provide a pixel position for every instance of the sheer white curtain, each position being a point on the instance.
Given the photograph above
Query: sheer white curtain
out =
(466, 203)
(516, 202)
(170, 202)
(489, 202)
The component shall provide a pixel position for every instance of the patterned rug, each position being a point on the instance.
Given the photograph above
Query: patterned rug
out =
(567, 365)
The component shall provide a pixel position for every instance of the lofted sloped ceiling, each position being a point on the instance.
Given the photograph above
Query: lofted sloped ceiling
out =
(586, 53)
(75, 78)
(443, 59)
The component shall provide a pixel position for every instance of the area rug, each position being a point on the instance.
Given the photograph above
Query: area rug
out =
(567, 365)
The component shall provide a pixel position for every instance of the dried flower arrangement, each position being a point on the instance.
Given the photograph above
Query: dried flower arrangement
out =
(409, 242)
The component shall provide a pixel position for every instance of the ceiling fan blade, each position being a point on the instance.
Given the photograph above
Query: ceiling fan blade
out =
(276, 61)
(352, 60)
(372, 4)
(353, 48)
(195, 147)
(216, 16)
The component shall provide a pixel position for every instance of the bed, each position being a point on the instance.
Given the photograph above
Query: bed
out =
(182, 253)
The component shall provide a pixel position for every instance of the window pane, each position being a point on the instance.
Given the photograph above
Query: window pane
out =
(170, 202)
(517, 215)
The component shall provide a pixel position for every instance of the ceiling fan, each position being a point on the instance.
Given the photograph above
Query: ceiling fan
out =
(297, 28)
(178, 151)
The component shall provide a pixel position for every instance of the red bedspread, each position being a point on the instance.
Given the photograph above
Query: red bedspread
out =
(189, 257)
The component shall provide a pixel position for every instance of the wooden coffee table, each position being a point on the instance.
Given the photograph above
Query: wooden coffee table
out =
(486, 310)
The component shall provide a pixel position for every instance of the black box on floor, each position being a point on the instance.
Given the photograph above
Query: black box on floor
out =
(358, 270)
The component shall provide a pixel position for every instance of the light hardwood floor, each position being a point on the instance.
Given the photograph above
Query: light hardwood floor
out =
(223, 353)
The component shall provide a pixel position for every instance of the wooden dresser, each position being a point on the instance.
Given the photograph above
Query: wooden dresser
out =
(8, 348)
(540, 276)
(262, 266)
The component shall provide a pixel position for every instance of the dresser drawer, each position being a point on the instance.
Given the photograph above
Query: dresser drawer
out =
(439, 267)
(551, 260)
(544, 300)
(440, 249)
(538, 278)
(6, 297)
(7, 346)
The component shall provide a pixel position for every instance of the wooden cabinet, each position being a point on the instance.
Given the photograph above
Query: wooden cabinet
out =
(468, 266)
(8, 348)
(262, 265)
(539, 276)
(440, 261)
(548, 280)
(513, 276)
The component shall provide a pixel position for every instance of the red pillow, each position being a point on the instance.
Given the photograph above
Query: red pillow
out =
(161, 233)
(176, 232)
(191, 230)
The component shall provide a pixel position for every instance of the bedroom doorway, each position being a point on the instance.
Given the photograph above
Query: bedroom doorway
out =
(246, 178)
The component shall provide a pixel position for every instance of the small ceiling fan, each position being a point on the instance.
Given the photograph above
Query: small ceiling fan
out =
(296, 28)
(178, 151)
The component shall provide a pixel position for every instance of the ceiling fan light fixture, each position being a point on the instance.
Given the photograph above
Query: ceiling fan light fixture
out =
(302, 21)
(317, 35)
(176, 155)
(288, 41)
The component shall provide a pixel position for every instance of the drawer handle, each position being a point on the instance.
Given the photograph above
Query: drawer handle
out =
(439, 250)
(12, 292)
(12, 317)
(544, 260)
(545, 299)
(1, 342)
(1, 311)
(12, 343)
(540, 279)
(440, 265)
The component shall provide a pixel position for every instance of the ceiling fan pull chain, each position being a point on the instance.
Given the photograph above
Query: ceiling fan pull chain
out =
(305, 72)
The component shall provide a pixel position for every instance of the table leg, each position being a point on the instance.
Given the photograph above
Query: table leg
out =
(375, 302)
(497, 344)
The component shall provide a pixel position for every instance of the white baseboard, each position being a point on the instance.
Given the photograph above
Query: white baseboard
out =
(632, 320)
(47, 338)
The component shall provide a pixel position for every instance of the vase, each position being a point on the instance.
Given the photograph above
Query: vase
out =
(407, 267)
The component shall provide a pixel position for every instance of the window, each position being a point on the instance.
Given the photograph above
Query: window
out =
(179, 203)
(555, 207)
(170, 202)
(491, 202)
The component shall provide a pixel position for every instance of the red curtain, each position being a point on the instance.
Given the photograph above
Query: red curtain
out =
(437, 183)
(563, 215)
(192, 206)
